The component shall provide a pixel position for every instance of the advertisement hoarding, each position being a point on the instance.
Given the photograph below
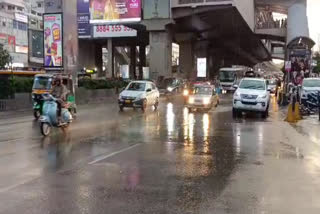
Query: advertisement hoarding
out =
(156, 9)
(21, 49)
(84, 27)
(202, 67)
(115, 11)
(53, 40)
(107, 31)
(36, 46)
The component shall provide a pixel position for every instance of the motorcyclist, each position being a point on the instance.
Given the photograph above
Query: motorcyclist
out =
(59, 91)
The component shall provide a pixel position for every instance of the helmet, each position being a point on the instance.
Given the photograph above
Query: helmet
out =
(58, 79)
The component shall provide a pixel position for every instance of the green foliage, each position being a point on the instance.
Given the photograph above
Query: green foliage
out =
(23, 84)
(101, 84)
(5, 57)
(10, 86)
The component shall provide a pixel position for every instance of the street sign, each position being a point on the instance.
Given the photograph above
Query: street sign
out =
(202, 67)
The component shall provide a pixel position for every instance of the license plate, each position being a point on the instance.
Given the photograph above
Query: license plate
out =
(128, 101)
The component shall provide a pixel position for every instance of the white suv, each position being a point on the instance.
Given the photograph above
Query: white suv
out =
(251, 95)
(139, 94)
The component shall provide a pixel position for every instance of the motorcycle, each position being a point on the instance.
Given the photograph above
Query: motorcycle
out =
(49, 117)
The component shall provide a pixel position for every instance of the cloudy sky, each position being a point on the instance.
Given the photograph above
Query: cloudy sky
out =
(314, 17)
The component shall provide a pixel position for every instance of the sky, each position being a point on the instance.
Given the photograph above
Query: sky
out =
(314, 16)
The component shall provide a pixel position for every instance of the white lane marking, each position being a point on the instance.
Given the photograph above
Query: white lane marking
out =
(114, 153)
(8, 188)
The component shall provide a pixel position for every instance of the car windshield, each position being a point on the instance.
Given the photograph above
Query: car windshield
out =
(311, 83)
(252, 84)
(42, 83)
(202, 90)
(136, 86)
(166, 83)
(272, 82)
(227, 76)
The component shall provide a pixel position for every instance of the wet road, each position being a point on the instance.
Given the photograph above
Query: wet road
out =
(168, 161)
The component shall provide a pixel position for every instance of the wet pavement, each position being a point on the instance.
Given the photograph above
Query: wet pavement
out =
(165, 161)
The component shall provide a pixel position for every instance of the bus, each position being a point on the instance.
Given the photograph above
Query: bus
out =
(229, 77)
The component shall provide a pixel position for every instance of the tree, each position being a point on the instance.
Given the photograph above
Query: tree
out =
(5, 57)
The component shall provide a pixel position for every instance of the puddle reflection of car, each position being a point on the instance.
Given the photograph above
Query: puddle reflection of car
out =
(139, 94)
(202, 97)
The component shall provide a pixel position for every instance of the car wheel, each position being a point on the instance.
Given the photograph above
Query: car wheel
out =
(156, 104)
(235, 113)
(265, 114)
(144, 106)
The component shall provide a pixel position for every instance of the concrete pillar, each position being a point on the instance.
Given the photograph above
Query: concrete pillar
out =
(110, 67)
(297, 21)
(97, 59)
(133, 61)
(142, 59)
(186, 59)
(160, 54)
(87, 54)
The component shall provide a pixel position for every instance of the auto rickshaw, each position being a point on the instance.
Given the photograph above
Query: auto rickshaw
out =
(43, 84)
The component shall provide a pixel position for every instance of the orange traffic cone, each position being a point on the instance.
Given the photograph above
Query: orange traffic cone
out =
(290, 116)
(297, 114)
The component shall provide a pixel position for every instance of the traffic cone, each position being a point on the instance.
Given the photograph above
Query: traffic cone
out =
(290, 116)
(297, 114)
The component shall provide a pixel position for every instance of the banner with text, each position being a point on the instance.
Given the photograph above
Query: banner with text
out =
(105, 31)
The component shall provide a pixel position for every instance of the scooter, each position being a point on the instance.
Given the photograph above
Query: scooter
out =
(37, 106)
(49, 117)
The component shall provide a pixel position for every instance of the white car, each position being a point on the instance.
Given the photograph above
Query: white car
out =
(251, 95)
(309, 85)
(139, 94)
(202, 97)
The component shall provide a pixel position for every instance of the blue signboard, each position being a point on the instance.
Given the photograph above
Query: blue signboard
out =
(84, 27)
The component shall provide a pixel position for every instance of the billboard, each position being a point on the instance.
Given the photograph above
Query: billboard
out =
(36, 46)
(156, 9)
(52, 40)
(108, 31)
(202, 67)
(115, 11)
(84, 27)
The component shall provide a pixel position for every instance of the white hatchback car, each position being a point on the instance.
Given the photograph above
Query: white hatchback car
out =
(251, 95)
(139, 94)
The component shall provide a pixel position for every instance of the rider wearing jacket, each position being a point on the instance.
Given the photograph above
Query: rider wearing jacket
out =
(59, 91)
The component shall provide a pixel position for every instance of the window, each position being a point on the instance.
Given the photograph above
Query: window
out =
(253, 84)
(3, 24)
(39, 4)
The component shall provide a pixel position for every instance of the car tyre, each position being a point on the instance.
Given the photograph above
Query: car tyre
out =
(156, 104)
(144, 106)
(235, 113)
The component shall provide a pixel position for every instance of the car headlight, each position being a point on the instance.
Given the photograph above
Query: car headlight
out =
(120, 97)
(206, 101)
(263, 96)
(185, 92)
(191, 100)
(236, 95)
(170, 89)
